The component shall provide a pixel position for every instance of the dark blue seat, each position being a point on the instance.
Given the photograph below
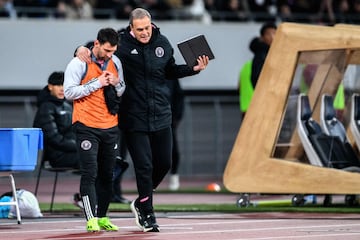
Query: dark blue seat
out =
(329, 148)
(45, 165)
(345, 156)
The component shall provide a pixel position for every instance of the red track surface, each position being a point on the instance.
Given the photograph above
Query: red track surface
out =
(176, 226)
(195, 226)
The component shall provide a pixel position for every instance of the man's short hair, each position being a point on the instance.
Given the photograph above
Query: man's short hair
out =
(108, 35)
(138, 13)
(56, 78)
(266, 26)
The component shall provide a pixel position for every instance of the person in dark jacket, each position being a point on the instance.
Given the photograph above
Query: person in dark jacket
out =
(260, 47)
(145, 111)
(54, 118)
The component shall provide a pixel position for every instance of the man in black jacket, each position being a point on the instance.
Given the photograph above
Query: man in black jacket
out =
(54, 118)
(145, 111)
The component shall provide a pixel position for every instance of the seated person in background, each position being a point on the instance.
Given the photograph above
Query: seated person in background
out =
(54, 118)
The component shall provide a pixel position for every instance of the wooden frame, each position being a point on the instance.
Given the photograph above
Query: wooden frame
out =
(252, 167)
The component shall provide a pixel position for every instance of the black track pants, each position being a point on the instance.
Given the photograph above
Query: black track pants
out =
(151, 155)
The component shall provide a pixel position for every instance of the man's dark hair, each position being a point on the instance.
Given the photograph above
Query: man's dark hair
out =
(56, 78)
(108, 35)
(266, 26)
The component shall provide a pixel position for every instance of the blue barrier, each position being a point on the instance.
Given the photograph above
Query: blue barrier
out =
(19, 148)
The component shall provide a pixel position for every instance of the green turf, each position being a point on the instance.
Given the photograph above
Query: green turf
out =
(281, 205)
(226, 208)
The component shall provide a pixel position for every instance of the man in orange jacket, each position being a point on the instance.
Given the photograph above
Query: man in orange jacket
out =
(95, 89)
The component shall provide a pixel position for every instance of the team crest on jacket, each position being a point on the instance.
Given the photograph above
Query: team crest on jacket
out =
(86, 144)
(159, 52)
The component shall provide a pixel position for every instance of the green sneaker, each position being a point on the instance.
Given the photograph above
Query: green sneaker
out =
(92, 225)
(105, 224)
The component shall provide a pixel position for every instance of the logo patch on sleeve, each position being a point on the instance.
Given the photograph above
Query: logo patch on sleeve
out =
(85, 145)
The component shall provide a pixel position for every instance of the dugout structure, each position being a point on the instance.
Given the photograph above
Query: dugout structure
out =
(267, 156)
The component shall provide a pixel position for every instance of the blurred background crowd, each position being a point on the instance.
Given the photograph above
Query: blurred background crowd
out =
(325, 12)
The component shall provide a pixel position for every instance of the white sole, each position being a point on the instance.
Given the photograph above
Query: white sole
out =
(133, 209)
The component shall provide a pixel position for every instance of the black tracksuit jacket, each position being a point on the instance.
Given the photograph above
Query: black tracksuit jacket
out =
(145, 105)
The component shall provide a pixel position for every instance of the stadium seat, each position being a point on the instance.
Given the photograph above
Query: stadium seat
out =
(304, 122)
(349, 161)
(355, 118)
(326, 145)
(45, 165)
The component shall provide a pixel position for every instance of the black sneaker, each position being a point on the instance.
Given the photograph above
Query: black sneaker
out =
(150, 224)
(145, 222)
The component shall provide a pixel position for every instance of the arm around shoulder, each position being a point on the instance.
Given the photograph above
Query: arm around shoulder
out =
(73, 89)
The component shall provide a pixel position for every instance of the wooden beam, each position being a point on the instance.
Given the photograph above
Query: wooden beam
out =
(251, 166)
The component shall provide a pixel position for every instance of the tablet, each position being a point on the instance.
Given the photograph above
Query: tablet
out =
(194, 47)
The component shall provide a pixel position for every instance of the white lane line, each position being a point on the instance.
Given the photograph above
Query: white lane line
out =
(195, 232)
(45, 222)
(127, 220)
(164, 234)
(79, 229)
(259, 229)
(184, 227)
(225, 222)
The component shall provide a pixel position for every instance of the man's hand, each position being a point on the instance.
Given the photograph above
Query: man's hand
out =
(202, 61)
(104, 79)
(83, 53)
(112, 79)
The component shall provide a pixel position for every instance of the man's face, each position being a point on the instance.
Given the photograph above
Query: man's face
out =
(142, 29)
(269, 35)
(56, 90)
(103, 51)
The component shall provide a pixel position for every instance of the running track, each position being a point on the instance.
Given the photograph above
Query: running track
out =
(192, 226)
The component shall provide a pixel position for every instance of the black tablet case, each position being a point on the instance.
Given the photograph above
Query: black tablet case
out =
(194, 47)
